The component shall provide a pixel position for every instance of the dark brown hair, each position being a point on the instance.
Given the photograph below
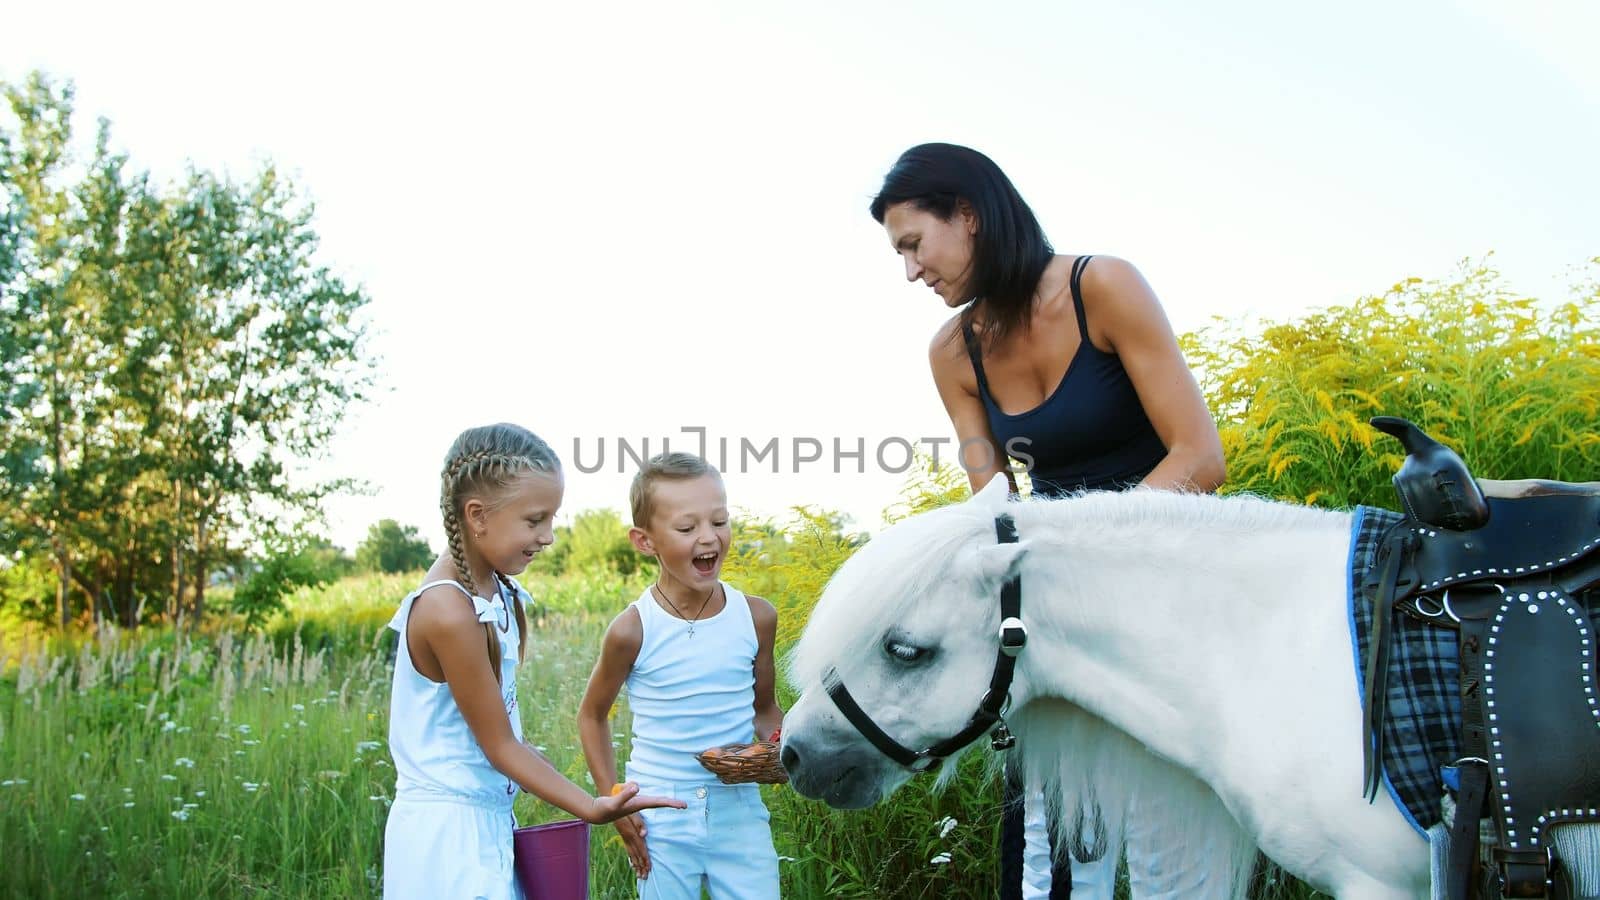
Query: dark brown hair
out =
(1009, 250)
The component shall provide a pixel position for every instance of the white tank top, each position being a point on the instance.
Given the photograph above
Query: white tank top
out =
(434, 751)
(690, 693)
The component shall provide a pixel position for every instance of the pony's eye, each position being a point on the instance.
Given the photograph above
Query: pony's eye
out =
(903, 651)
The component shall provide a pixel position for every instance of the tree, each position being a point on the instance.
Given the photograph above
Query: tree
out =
(170, 351)
(48, 333)
(1506, 381)
(392, 547)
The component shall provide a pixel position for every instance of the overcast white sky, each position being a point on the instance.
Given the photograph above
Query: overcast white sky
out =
(619, 220)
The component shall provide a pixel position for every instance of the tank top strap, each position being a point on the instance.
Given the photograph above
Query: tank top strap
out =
(1078, 265)
(741, 610)
(433, 584)
(975, 353)
(397, 622)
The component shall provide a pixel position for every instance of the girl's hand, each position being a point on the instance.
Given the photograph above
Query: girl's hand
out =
(626, 802)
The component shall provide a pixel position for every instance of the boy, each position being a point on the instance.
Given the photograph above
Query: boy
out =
(696, 655)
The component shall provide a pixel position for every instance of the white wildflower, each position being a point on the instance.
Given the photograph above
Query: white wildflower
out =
(169, 725)
(183, 762)
(180, 814)
(942, 859)
(946, 825)
(166, 777)
(79, 797)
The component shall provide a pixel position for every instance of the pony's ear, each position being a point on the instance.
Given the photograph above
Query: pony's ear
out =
(997, 562)
(995, 494)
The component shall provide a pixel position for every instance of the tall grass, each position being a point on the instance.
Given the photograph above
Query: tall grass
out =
(142, 767)
(152, 766)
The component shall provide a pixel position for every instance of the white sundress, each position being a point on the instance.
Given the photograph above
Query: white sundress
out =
(449, 831)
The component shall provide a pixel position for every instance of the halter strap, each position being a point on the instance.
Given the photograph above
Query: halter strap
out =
(991, 709)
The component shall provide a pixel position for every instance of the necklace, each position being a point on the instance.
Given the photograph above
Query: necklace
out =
(703, 603)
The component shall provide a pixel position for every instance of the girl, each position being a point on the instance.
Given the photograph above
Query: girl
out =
(453, 723)
(1067, 364)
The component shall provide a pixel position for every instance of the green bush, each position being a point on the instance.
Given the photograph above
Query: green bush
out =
(1508, 382)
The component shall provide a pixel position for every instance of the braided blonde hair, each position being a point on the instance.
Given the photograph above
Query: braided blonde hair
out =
(484, 463)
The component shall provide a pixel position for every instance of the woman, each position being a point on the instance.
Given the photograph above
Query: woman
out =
(1067, 365)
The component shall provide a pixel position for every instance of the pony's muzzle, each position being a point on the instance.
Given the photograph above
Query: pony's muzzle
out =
(839, 779)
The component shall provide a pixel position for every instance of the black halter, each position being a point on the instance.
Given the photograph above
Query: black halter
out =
(1013, 637)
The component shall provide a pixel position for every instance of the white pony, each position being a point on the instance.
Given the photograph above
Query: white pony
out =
(1190, 650)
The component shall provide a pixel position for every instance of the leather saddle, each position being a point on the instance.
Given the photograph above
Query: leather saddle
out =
(1513, 567)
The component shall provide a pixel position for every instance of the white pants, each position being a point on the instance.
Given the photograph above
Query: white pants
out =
(438, 847)
(1163, 863)
(722, 841)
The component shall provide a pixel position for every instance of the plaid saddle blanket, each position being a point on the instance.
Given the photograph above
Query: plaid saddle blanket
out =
(1422, 733)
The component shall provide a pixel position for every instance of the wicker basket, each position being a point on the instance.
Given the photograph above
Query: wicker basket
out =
(745, 763)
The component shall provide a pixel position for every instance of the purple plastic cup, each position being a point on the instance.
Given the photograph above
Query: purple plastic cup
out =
(552, 860)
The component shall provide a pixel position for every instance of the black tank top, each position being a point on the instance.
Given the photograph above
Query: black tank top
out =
(1090, 434)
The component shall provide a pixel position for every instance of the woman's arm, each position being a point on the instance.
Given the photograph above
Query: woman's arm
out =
(977, 452)
(1124, 311)
(455, 638)
(769, 715)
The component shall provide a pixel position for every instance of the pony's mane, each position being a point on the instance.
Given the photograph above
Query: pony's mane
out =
(1235, 513)
(912, 556)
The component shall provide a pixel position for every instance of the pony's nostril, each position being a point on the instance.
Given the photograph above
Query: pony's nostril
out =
(790, 757)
